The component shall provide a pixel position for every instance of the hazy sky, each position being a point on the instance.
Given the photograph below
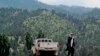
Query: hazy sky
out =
(86, 3)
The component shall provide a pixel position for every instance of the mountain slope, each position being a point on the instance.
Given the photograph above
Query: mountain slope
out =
(75, 9)
(24, 4)
(15, 22)
(34, 4)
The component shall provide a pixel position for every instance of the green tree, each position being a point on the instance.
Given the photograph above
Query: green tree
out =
(28, 39)
(41, 34)
(4, 45)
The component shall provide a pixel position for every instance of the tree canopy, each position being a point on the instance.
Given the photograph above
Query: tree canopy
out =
(4, 45)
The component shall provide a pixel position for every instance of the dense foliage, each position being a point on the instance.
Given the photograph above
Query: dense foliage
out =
(4, 45)
(28, 39)
(55, 25)
(41, 35)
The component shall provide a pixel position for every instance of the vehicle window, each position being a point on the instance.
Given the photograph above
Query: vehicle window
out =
(39, 40)
(43, 41)
(46, 40)
(49, 40)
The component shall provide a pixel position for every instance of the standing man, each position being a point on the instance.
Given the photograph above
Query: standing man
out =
(70, 45)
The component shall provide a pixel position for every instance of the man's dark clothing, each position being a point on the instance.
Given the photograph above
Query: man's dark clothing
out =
(70, 48)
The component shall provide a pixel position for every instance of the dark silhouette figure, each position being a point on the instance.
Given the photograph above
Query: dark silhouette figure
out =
(70, 45)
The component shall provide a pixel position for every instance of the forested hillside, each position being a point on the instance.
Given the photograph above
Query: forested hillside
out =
(55, 25)
(35, 4)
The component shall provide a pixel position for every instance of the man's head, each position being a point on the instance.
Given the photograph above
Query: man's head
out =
(71, 35)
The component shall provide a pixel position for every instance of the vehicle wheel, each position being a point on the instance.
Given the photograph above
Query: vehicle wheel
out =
(37, 53)
(55, 55)
(34, 54)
